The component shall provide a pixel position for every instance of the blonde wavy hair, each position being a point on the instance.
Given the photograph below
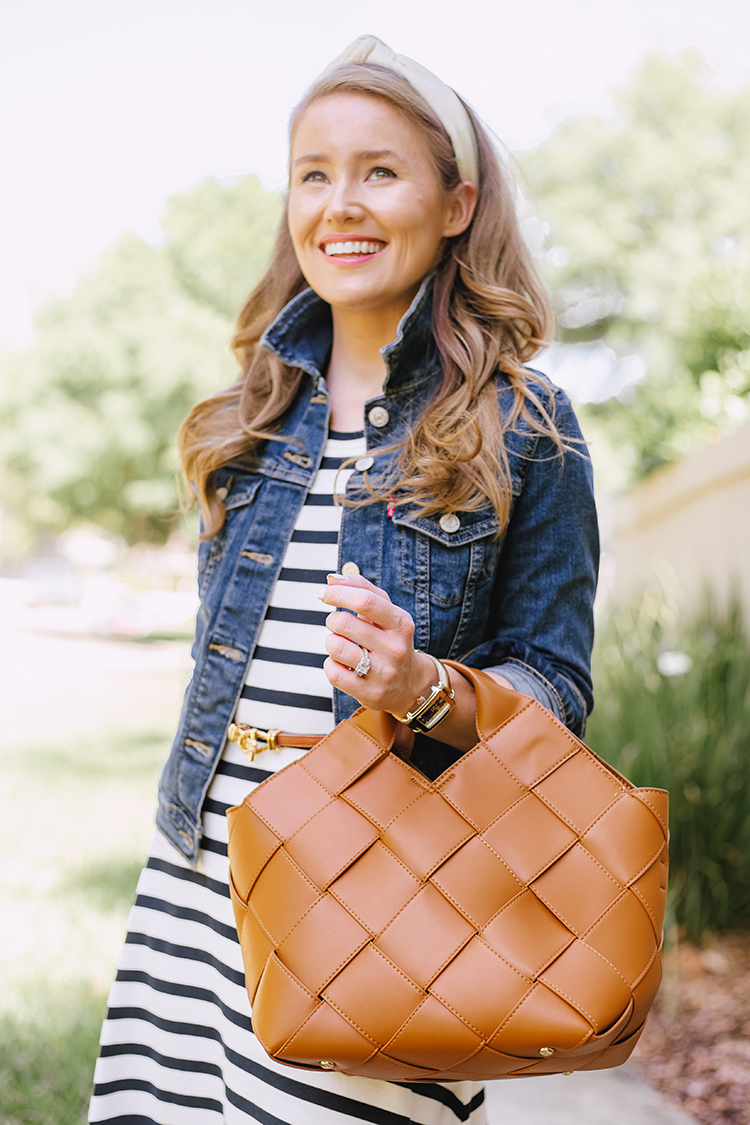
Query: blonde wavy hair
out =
(490, 312)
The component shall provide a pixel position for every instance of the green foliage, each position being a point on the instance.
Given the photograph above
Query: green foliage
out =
(46, 1065)
(689, 733)
(650, 212)
(90, 412)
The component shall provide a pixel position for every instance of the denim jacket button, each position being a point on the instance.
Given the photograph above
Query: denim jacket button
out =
(379, 416)
(364, 464)
(349, 568)
(222, 493)
(450, 522)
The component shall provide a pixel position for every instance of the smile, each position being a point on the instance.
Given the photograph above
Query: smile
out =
(347, 249)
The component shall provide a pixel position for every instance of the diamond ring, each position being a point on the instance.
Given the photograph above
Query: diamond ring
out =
(364, 665)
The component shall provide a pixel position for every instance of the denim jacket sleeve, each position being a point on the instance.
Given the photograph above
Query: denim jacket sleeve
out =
(541, 610)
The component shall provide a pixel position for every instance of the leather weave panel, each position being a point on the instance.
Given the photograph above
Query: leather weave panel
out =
(411, 930)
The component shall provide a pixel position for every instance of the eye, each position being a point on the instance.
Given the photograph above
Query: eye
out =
(314, 178)
(381, 174)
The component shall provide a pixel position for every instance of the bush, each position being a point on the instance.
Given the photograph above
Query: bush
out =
(673, 710)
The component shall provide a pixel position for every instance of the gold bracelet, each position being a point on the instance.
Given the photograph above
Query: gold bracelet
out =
(429, 710)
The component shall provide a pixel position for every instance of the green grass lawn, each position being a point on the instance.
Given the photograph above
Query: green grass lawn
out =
(76, 825)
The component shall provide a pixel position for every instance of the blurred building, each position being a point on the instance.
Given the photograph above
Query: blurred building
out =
(689, 524)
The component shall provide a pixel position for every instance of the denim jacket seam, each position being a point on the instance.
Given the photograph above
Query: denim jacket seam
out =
(545, 681)
(581, 700)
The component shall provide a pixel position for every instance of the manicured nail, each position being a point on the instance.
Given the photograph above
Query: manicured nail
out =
(338, 577)
(322, 593)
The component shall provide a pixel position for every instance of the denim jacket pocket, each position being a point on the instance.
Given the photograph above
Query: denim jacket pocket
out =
(444, 557)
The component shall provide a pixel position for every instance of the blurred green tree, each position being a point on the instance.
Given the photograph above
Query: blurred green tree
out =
(89, 413)
(648, 249)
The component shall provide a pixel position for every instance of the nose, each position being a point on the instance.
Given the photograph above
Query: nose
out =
(344, 202)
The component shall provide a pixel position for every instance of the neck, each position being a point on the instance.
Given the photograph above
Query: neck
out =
(356, 370)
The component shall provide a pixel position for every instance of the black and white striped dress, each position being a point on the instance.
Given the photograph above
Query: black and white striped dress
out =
(177, 1045)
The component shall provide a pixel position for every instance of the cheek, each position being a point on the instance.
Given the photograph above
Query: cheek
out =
(301, 218)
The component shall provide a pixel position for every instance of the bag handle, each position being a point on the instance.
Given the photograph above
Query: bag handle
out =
(495, 703)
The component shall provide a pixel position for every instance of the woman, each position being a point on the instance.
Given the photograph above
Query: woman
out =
(386, 451)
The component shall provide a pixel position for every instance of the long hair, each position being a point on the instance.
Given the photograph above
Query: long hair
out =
(490, 312)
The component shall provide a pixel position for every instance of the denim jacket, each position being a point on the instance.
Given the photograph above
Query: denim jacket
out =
(519, 604)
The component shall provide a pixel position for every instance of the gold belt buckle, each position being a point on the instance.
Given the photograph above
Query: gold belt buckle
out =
(252, 740)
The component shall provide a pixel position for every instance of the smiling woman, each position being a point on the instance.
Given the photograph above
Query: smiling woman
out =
(387, 196)
(387, 451)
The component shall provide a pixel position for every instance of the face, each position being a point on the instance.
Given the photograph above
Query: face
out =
(367, 213)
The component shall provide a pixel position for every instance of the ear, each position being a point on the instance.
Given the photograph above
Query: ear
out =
(463, 201)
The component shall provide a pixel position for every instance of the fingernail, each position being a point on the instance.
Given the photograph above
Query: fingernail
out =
(338, 577)
(322, 593)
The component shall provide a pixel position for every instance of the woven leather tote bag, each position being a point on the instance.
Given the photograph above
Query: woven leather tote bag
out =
(503, 920)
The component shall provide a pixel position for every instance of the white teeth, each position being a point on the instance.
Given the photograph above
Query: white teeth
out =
(334, 248)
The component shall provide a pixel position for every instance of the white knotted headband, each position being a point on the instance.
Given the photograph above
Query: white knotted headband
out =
(444, 102)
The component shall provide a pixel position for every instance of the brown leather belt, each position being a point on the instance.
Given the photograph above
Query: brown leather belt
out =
(254, 741)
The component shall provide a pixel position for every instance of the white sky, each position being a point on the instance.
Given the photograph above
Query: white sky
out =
(109, 106)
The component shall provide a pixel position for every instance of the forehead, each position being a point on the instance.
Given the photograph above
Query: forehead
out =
(347, 119)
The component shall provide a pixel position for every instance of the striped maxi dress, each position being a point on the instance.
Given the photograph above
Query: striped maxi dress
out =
(177, 1045)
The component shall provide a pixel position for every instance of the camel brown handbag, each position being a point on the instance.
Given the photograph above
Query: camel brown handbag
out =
(503, 920)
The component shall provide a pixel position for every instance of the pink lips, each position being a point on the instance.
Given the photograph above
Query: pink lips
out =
(350, 259)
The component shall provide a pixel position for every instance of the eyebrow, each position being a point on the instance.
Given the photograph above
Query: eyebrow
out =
(366, 154)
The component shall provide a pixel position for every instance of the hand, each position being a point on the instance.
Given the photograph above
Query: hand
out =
(397, 673)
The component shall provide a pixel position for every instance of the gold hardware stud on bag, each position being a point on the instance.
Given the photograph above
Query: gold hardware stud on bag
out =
(503, 920)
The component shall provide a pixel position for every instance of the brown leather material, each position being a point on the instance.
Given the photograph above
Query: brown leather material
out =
(501, 921)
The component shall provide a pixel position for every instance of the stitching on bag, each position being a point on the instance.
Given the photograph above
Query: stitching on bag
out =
(650, 807)
(344, 867)
(452, 956)
(368, 816)
(283, 839)
(350, 1022)
(603, 915)
(398, 970)
(403, 908)
(555, 765)
(626, 793)
(461, 1016)
(348, 1019)
(571, 738)
(511, 718)
(640, 976)
(552, 910)
(461, 909)
(233, 828)
(451, 851)
(647, 908)
(353, 913)
(404, 1026)
(260, 923)
(647, 866)
(573, 1003)
(406, 809)
(601, 867)
(558, 812)
(526, 884)
(295, 980)
(534, 984)
(596, 951)
(463, 1019)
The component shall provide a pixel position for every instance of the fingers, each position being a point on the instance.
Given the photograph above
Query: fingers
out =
(344, 651)
(358, 581)
(367, 601)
